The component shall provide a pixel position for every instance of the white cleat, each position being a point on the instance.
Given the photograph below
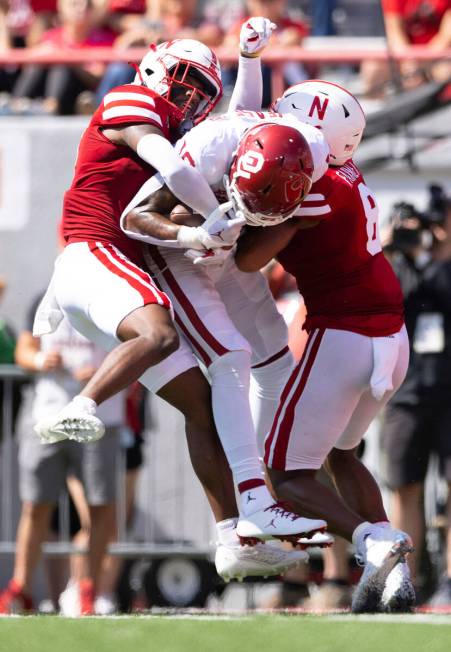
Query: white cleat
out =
(276, 522)
(318, 540)
(70, 423)
(380, 551)
(261, 560)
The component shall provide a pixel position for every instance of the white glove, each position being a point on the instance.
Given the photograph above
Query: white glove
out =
(254, 36)
(208, 258)
(223, 232)
(196, 237)
(228, 230)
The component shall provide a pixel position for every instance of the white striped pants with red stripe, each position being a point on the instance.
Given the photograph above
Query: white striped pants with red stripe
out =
(221, 311)
(327, 402)
(229, 319)
(97, 286)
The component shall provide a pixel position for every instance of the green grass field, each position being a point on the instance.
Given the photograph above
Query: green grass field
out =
(259, 633)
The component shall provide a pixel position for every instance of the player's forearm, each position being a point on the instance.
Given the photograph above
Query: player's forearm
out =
(190, 187)
(150, 227)
(258, 245)
(184, 181)
(248, 90)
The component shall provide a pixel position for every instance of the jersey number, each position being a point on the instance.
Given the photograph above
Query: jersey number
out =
(373, 244)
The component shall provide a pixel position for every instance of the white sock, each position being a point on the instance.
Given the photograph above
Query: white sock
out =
(229, 376)
(85, 404)
(227, 532)
(252, 500)
(266, 386)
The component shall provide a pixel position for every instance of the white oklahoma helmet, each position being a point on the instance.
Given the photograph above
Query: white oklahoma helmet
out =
(332, 109)
(169, 63)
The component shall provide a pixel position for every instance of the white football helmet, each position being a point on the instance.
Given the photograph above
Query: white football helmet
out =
(165, 68)
(332, 109)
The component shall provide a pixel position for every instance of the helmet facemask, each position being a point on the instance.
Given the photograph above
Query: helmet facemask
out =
(170, 70)
(199, 101)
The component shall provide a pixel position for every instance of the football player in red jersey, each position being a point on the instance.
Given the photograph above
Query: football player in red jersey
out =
(356, 354)
(99, 282)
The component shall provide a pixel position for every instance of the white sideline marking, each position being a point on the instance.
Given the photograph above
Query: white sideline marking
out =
(405, 619)
(416, 619)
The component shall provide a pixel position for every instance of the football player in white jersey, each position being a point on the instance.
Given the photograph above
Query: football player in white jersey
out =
(211, 148)
(215, 304)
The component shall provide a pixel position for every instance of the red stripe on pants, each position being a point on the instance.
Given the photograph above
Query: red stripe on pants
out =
(282, 433)
(188, 307)
(145, 286)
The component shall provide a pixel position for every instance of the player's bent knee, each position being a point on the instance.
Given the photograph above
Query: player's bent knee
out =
(168, 339)
(163, 339)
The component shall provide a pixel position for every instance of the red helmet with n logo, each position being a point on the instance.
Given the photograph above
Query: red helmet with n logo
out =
(270, 174)
(332, 109)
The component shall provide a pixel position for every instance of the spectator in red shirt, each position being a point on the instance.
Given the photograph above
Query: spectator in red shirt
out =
(288, 32)
(413, 22)
(60, 85)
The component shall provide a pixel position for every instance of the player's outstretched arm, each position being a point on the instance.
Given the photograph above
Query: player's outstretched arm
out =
(248, 91)
(184, 181)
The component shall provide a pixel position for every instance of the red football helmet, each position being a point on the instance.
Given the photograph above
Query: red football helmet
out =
(270, 174)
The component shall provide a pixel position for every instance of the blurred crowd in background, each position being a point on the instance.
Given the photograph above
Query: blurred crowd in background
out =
(55, 25)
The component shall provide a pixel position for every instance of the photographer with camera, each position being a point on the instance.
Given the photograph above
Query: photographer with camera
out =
(418, 418)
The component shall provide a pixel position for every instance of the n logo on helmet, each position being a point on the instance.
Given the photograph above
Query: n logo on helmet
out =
(318, 107)
(249, 163)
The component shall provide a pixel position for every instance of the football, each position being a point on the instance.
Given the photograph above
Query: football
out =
(183, 215)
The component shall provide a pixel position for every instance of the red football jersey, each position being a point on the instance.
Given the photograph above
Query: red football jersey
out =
(340, 269)
(107, 176)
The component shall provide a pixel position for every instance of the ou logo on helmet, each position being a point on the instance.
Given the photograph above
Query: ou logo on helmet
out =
(250, 163)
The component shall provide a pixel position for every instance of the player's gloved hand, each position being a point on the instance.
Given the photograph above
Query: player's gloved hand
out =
(210, 258)
(254, 36)
(222, 213)
(228, 230)
(221, 229)
(197, 237)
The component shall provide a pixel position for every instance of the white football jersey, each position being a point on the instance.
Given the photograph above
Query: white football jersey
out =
(210, 146)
